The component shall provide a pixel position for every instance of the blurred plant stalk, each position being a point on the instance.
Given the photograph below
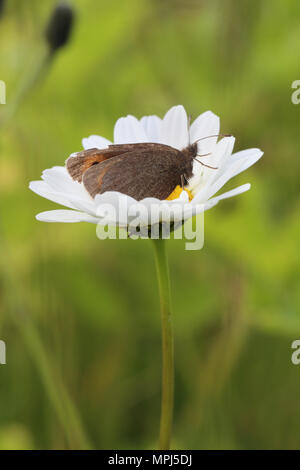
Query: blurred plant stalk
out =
(223, 354)
(51, 378)
(57, 35)
(27, 85)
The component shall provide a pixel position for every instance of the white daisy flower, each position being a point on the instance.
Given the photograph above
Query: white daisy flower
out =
(174, 130)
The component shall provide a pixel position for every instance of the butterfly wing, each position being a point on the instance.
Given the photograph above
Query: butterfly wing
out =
(143, 146)
(143, 173)
(79, 163)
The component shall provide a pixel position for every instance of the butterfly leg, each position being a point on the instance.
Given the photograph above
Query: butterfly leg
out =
(182, 177)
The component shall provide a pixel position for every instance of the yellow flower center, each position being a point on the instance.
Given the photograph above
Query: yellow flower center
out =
(176, 193)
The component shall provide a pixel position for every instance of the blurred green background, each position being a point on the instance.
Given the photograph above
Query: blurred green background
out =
(80, 316)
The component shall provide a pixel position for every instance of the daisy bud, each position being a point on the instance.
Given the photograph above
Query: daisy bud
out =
(59, 26)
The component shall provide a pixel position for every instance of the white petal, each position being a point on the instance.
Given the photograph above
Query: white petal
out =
(248, 157)
(69, 200)
(42, 189)
(234, 192)
(157, 210)
(218, 158)
(238, 163)
(214, 201)
(205, 125)
(152, 127)
(60, 181)
(66, 216)
(117, 208)
(83, 205)
(59, 187)
(128, 130)
(95, 141)
(174, 129)
(113, 207)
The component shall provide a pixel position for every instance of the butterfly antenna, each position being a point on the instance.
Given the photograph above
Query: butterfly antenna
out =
(189, 126)
(203, 154)
(204, 164)
(213, 135)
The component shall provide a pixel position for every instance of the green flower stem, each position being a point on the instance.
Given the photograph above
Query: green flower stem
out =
(167, 345)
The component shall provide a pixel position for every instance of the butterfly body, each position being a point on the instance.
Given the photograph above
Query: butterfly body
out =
(139, 170)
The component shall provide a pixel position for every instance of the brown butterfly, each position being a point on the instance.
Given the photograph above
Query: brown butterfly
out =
(139, 170)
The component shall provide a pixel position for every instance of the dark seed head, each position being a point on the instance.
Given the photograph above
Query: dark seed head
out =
(59, 26)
